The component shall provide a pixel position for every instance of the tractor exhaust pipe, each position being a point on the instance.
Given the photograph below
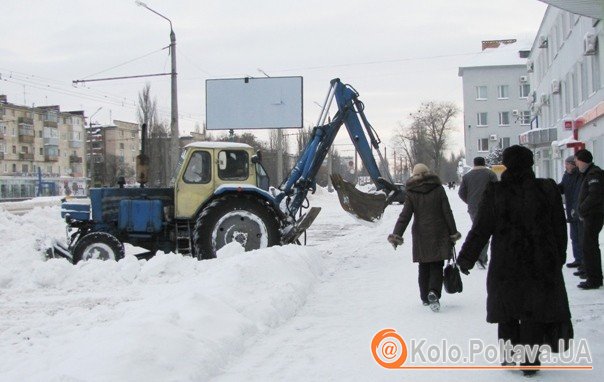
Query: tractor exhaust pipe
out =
(142, 160)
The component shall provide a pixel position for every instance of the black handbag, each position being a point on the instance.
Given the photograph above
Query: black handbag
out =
(451, 277)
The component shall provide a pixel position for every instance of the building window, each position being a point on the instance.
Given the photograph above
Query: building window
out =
(525, 117)
(14, 149)
(483, 144)
(24, 168)
(504, 118)
(41, 151)
(503, 92)
(504, 143)
(14, 167)
(121, 146)
(567, 93)
(525, 90)
(481, 92)
(481, 119)
(595, 73)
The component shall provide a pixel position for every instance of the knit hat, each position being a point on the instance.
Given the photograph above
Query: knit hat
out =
(570, 159)
(517, 158)
(420, 169)
(584, 156)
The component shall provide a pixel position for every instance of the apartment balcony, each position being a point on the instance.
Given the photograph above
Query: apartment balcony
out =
(53, 141)
(1, 156)
(50, 124)
(25, 121)
(29, 139)
(51, 158)
(75, 159)
(75, 144)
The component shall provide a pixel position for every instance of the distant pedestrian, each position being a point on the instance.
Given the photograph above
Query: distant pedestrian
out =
(470, 191)
(569, 187)
(433, 232)
(590, 207)
(526, 294)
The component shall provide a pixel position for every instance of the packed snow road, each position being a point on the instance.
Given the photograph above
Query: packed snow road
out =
(285, 313)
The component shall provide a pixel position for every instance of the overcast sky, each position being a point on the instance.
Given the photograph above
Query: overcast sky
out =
(396, 53)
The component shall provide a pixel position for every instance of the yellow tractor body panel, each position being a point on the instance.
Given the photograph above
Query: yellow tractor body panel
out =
(204, 166)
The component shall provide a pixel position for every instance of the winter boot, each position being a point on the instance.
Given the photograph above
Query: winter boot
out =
(433, 300)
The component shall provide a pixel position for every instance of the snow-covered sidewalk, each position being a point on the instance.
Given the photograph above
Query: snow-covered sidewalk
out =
(291, 313)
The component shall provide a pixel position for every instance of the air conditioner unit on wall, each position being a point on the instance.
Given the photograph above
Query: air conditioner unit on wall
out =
(544, 99)
(493, 137)
(590, 44)
(555, 86)
(542, 41)
(515, 113)
(523, 79)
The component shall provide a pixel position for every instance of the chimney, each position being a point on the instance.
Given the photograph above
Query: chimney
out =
(487, 44)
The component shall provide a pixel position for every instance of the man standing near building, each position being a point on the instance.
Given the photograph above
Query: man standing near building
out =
(590, 207)
(569, 187)
(471, 189)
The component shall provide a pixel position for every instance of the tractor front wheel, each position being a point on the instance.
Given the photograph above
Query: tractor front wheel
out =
(98, 245)
(241, 218)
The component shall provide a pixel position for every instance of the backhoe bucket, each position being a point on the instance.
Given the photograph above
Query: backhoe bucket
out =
(369, 207)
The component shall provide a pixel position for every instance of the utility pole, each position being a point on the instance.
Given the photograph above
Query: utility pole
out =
(174, 133)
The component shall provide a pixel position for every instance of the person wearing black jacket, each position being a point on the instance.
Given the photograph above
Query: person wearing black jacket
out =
(569, 187)
(526, 294)
(590, 207)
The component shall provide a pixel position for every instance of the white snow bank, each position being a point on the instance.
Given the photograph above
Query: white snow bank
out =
(169, 318)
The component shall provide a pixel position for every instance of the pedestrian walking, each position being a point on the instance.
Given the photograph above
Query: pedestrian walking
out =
(590, 207)
(526, 294)
(470, 191)
(433, 231)
(569, 187)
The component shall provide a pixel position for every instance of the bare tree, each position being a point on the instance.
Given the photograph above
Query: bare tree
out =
(158, 142)
(426, 139)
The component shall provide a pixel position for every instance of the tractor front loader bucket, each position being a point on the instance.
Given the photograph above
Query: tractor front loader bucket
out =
(59, 250)
(369, 207)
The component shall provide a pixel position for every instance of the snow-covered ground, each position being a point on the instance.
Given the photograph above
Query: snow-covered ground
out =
(283, 313)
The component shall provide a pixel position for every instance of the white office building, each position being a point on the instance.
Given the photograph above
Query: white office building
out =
(495, 94)
(567, 101)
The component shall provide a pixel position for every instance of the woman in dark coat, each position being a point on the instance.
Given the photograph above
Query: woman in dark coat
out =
(432, 232)
(526, 294)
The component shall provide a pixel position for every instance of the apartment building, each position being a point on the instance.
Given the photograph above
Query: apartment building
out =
(41, 150)
(495, 93)
(567, 102)
(114, 148)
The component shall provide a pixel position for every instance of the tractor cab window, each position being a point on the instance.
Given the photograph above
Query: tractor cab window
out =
(199, 168)
(233, 165)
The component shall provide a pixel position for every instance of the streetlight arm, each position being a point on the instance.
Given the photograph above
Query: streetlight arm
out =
(141, 4)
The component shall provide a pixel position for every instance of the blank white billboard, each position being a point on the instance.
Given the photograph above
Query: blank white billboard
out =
(254, 103)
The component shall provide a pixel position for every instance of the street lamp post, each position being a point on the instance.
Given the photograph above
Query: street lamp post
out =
(174, 142)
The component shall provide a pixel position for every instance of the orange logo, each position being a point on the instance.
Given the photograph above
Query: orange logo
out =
(389, 349)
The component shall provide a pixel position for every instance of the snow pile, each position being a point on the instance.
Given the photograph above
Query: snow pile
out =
(169, 318)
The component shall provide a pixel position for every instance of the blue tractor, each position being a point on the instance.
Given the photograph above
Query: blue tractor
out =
(221, 194)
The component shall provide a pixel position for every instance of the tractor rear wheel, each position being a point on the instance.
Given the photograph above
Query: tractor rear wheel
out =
(241, 218)
(99, 246)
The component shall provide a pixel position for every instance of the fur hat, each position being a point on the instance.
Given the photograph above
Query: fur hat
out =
(570, 159)
(517, 158)
(420, 169)
(584, 156)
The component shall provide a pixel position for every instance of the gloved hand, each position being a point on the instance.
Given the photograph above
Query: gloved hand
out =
(456, 236)
(465, 271)
(395, 240)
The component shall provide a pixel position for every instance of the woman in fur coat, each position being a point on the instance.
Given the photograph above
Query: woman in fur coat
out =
(433, 231)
